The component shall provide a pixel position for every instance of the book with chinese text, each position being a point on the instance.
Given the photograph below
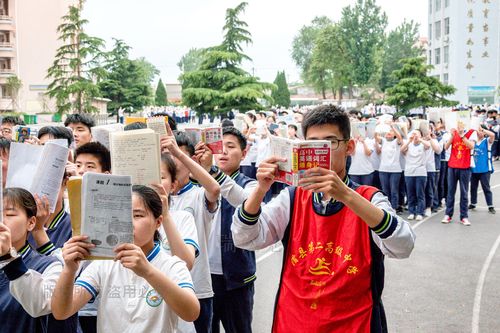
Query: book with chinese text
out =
(211, 136)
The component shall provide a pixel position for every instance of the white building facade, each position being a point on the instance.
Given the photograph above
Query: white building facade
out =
(464, 48)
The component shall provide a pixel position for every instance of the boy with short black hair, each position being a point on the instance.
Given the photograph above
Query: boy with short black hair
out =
(81, 124)
(8, 124)
(335, 234)
(92, 157)
(47, 133)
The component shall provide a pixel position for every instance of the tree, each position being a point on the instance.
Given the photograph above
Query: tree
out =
(362, 29)
(414, 88)
(401, 43)
(76, 67)
(281, 95)
(192, 60)
(219, 84)
(14, 84)
(161, 94)
(127, 82)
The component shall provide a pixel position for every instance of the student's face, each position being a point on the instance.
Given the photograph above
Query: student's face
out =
(18, 222)
(182, 170)
(6, 130)
(291, 132)
(166, 179)
(144, 222)
(232, 155)
(339, 156)
(81, 133)
(88, 163)
(298, 117)
(4, 154)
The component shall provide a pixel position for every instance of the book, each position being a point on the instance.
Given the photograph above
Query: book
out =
(101, 133)
(38, 169)
(211, 136)
(101, 208)
(23, 133)
(300, 155)
(358, 129)
(401, 128)
(158, 124)
(371, 126)
(455, 118)
(130, 120)
(136, 154)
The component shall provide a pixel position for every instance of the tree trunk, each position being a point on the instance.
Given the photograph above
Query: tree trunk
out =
(350, 91)
(341, 95)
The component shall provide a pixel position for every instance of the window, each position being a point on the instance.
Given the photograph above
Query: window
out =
(438, 5)
(446, 54)
(437, 56)
(430, 57)
(5, 91)
(445, 78)
(446, 3)
(447, 26)
(430, 31)
(437, 30)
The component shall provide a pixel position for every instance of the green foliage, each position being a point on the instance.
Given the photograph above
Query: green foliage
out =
(76, 67)
(192, 60)
(401, 44)
(414, 88)
(281, 95)
(161, 94)
(219, 84)
(127, 82)
(14, 84)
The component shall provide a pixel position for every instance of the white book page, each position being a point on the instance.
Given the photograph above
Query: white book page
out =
(101, 133)
(49, 175)
(157, 124)
(282, 147)
(107, 212)
(23, 165)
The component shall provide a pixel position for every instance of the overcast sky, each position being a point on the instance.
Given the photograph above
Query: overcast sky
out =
(164, 30)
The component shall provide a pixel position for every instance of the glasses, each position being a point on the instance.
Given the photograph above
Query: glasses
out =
(336, 142)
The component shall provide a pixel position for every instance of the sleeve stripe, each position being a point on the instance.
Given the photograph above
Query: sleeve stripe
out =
(382, 225)
(186, 285)
(220, 177)
(194, 244)
(46, 249)
(247, 218)
(88, 287)
(387, 226)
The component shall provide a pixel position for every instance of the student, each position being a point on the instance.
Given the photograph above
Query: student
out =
(4, 156)
(47, 133)
(92, 157)
(81, 124)
(361, 169)
(483, 169)
(414, 150)
(335, 236)
(202, 203)
(432, 169)
(292, 132)
(461, 142)
(26, 277)
(389, 149)
(248, 164)
(232, 269)
(161, 284)
(8, 124)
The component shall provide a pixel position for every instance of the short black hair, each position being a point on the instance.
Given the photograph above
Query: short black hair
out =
(293, 126)
(22, 199)
(135, 126)
(234, 131)
(226, 123)
(184, 141)
(168, 161)
(327, 115)
(251, 116)
(57, 132)
(12, 120)
(98, 150)
(4, 145)
(80, 118)
(170, 120)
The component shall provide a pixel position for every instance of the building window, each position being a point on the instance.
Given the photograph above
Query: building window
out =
(5, 91)
(446, 3)
(437, 56)
(430, 57)
(447, 26)
(437, 29)
(438, 5)
(445, 78)
(446, 54)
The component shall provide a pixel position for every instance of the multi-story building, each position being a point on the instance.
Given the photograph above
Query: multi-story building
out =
(464, 47)
(28, 44)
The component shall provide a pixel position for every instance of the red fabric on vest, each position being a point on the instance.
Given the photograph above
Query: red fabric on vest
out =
(460, 154)
(326, 280)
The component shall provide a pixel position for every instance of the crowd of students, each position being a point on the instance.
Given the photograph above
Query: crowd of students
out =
(192, 265)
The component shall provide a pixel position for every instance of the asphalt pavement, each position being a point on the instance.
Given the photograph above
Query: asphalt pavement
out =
(450, 283)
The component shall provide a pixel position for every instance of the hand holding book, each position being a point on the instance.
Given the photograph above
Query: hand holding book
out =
(325, 181)
(168, 144)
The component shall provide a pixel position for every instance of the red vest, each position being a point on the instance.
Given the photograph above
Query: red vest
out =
(326, 279)
(460, 154)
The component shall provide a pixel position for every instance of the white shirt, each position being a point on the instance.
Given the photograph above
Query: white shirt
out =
(193, 201)
(252, 152)
(415, 160)
(128, 303)
(374, 157)
(446, 138)
(185, 225)
(390, 156)
(361, 164)
(430, 161)
(263, 150)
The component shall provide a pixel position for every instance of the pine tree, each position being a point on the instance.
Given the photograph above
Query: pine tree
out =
(76, 67)
(281, 95)
(161, 94)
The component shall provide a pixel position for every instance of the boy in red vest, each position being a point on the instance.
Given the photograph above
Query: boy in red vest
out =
(335, 234)
(462, 142)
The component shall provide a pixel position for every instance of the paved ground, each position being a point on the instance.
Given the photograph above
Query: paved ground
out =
(451, 280)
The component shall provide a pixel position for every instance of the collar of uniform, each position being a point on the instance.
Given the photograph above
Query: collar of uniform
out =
(25, 250)
(186, 188)
(235, 174)
(332, 206)
(154, 252)
(57, 219)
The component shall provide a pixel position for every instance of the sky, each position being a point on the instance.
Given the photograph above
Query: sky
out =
(163, 30)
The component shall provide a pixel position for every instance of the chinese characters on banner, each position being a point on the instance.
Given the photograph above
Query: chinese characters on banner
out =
(483, 28)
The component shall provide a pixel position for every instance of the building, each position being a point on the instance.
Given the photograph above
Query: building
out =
(28, 44)
(174, 92)
(464, 47)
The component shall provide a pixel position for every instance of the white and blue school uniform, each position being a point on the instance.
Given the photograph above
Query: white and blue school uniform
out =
(481, 172)
(185, 225)
(59, 232)
(416, 177)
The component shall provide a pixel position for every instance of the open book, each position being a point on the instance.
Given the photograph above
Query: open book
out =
(158, 124)
(101, 133)
(136, 154)
(300, 156)
(101, 208)
(38, 169)
(211, 136)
